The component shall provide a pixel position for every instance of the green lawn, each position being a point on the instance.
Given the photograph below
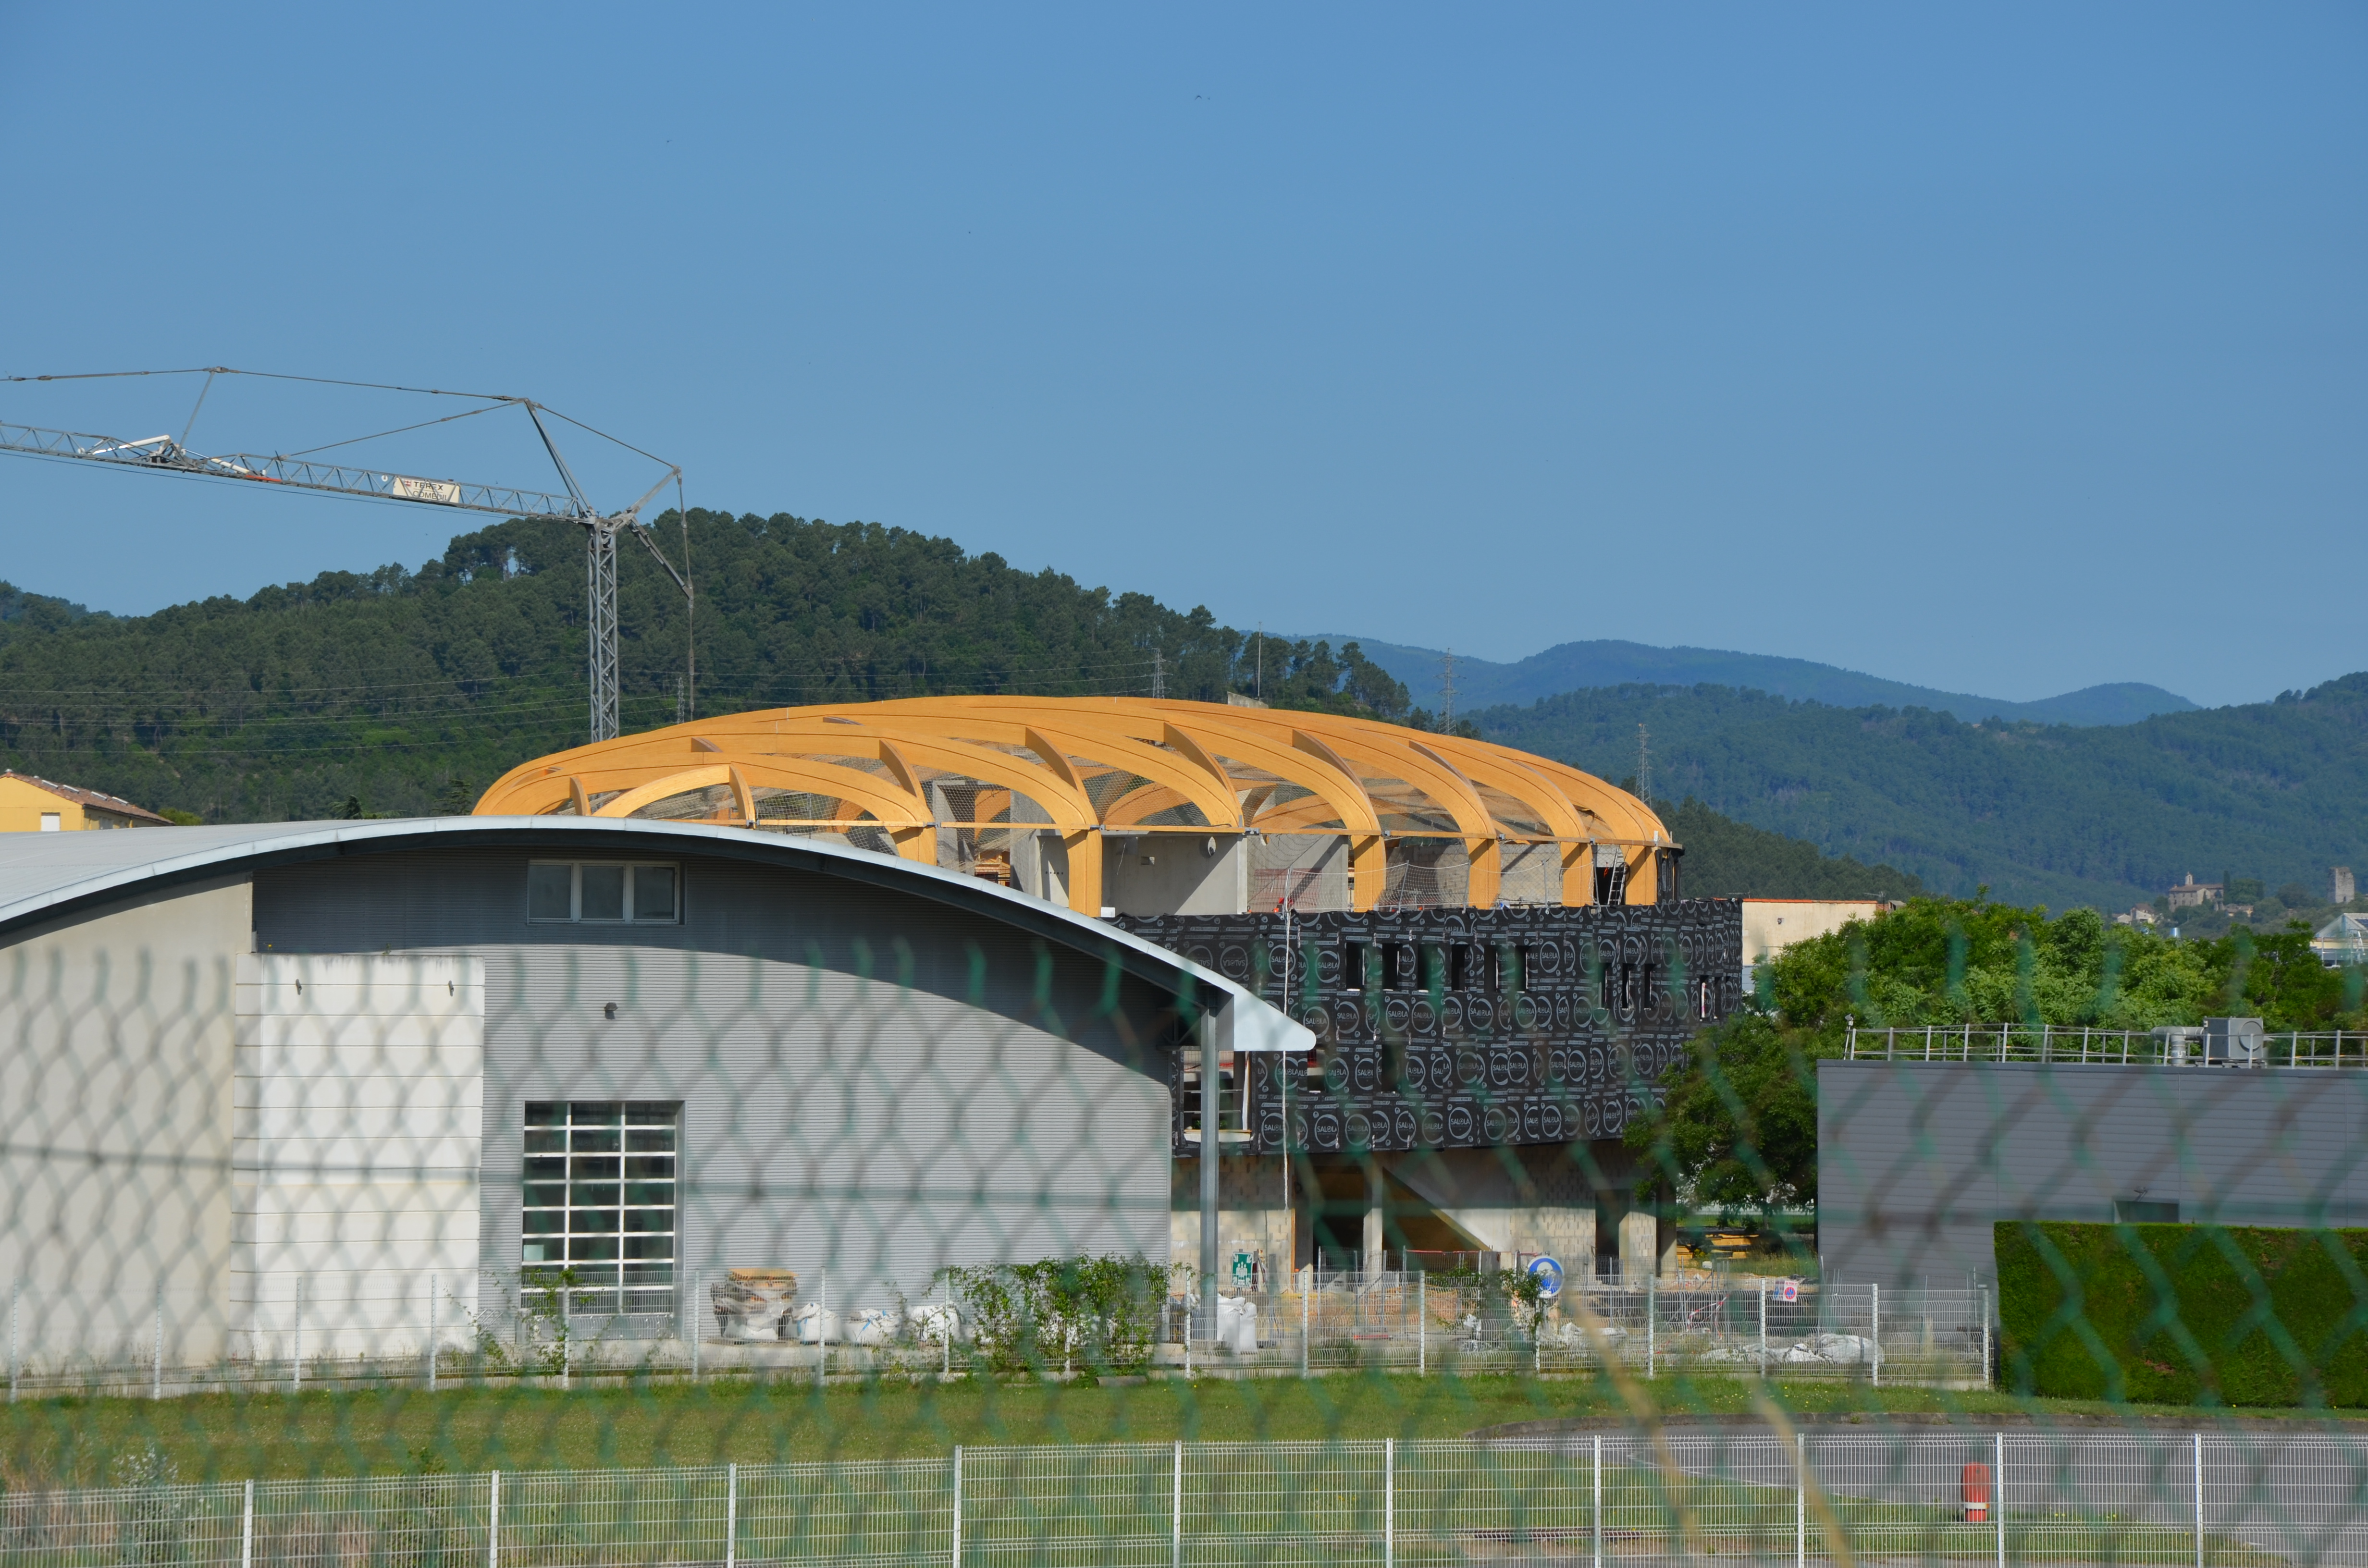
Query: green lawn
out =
(80, 1441)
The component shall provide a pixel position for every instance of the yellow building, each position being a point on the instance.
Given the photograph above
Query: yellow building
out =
(29, 805)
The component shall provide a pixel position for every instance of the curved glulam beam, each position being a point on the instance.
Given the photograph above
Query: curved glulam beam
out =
(903, 817)
(1188, 752)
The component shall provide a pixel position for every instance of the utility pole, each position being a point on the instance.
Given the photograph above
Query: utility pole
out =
(1644, 766)
(1447, 693)
(1258, 680)
(1158, 673)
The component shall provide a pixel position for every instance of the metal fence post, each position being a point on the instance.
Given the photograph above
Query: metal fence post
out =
(494, 1519)
(731, 1516)
(157, 1360)
(2198, 1440)
(1985, 1337)
(696, 1334)
(1763, 1328)
(1389, 1503)
(1306, 1295)
(1595, 1473)
(1652, 1323)
(1801, 1499)
(434, 1284)
(1997, 1491)
(958, 1503)
(1875, 1337)
(1422, 1324)
(296, 1374)
(246, 1528)
(16, 1296)
(1176, 1512)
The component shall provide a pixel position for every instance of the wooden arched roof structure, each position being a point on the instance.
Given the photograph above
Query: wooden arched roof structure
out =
(1094, 766)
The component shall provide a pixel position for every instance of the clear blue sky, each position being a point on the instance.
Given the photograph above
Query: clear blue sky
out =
(2003, 349)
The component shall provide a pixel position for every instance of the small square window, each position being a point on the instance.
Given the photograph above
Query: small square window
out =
(602, 893)
(654, 893)
(550, 893)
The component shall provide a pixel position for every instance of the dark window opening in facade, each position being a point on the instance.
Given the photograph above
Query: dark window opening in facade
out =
(2143, 1211)
(598, 1218)
(1354, 956)
(613, 892)
(1611, 880)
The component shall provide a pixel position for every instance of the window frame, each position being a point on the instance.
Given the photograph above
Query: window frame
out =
(628, 919)
(620, 1284)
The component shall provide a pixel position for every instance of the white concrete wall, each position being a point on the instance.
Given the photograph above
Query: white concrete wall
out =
(1176, 873)
(1773, 924)
(1253, 1212)
(358, 1148)
(115, 1147)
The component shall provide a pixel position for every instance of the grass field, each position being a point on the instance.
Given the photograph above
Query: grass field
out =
(79, 1441)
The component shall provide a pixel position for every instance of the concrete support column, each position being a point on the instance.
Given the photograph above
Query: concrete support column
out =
(1376, 1232)
(1216, 1039)
(1640, 1250)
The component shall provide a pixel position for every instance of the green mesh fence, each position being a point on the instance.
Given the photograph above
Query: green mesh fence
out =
(882, 1244)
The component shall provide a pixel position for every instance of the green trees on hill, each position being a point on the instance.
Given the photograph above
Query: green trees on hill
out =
(1725, 859)
(409, 691)
(2109, 814)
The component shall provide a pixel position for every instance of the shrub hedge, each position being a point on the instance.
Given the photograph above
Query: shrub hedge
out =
(2184, 1314)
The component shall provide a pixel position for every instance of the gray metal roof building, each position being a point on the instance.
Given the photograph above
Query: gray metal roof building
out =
(281, 1082)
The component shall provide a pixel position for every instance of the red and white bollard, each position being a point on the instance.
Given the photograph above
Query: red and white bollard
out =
(1975, 1488)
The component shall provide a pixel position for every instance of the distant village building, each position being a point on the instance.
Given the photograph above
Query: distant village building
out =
(2138, 915)
(2339, 885)
(2193, 894)
(29, 805)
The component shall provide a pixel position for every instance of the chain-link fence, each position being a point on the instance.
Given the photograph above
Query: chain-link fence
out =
(769, 1213)
(1960, 1494)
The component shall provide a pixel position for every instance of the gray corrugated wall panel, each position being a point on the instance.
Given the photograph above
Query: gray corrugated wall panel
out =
(1917, 1160)
(981, 1101)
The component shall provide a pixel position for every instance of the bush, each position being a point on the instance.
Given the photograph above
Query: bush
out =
(1100, 1314)
(2184, 1314)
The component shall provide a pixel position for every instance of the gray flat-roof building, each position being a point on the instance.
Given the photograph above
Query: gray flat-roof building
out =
(1917, 1160)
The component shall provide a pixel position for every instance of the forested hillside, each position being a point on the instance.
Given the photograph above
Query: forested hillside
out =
(2106, 815)
(1725, 859)
(404, 691)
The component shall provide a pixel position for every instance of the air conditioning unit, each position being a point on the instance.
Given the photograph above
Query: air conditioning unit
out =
(2236, 1043)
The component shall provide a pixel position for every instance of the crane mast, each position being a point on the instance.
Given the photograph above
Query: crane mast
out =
(164, 454)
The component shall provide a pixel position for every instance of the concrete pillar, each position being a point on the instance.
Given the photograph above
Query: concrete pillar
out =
(1376, 1232)
(1640, 1251)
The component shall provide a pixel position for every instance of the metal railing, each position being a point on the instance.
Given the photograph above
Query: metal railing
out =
(2076, 1045)
(2112, 1496)
(449, 1329)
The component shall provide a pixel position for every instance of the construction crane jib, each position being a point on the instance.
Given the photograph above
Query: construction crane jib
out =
(166, 454)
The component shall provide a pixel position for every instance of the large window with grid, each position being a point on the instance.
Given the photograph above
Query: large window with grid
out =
(598, 1218)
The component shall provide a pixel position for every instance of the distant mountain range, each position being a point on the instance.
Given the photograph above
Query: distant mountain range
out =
(1575, 667)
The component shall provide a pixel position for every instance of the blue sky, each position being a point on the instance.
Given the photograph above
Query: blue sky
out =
(2002, 349)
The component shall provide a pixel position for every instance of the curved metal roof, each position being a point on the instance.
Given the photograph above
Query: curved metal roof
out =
(1104, 766)
(46, 876)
